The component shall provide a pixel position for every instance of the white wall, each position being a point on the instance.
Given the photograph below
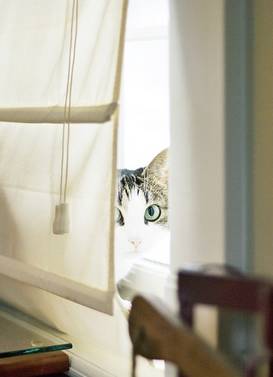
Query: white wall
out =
(197, 131)
(197, 65)
(197, 197)
(205, 177)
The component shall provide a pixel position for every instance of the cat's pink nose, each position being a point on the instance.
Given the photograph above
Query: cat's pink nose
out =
(135, 243)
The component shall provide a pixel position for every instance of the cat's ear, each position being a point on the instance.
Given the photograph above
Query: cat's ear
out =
(158, 168)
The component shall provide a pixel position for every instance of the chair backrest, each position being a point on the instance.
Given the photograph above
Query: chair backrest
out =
(234, 291)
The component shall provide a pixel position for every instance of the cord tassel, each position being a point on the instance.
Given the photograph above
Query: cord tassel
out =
(61, 221)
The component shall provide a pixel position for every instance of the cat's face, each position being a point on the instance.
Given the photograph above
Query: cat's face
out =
(142, 207)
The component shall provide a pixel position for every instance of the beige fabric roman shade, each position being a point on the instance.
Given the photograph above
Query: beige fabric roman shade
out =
(34, 41)
(34, 45)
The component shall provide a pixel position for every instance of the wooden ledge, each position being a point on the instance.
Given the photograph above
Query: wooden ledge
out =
(42, 364)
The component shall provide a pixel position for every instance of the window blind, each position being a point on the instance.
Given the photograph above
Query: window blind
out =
(34, 42)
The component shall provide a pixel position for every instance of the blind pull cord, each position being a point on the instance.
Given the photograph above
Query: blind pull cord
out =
(61, 221)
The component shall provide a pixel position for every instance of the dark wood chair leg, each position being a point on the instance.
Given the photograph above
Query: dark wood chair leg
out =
(186, 315)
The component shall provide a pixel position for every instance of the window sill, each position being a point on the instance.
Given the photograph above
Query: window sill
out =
(97, 356)
(88, 358)
(145, 277)
(105, 364)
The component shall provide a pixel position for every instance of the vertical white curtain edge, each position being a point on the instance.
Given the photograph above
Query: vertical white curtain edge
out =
(115, 120)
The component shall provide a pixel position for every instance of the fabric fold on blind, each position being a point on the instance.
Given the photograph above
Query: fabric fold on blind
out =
(58, 285)
(79, 266)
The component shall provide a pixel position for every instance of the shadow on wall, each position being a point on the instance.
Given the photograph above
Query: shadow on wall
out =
(9, 235)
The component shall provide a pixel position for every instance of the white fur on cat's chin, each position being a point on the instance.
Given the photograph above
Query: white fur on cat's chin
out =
(154, 238)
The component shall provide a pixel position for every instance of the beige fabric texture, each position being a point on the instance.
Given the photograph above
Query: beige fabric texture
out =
(34, 40)
(77, 266)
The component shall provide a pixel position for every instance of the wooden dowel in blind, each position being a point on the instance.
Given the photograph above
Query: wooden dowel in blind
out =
(55, 114)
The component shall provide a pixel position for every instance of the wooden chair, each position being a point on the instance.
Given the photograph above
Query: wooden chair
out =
(157, 334)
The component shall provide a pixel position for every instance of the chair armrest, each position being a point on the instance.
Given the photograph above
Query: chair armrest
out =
(157, 334)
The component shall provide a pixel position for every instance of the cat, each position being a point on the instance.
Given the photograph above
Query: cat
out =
(141, 212)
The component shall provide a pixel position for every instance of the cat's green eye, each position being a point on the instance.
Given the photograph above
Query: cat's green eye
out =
(118, 217)
(152, 213)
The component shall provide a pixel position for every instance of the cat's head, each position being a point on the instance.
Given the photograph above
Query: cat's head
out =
(142, 205)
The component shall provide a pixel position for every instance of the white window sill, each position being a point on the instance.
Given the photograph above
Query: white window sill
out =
(91, 357)
(87, 357)
(147, 277)
(88, 361)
